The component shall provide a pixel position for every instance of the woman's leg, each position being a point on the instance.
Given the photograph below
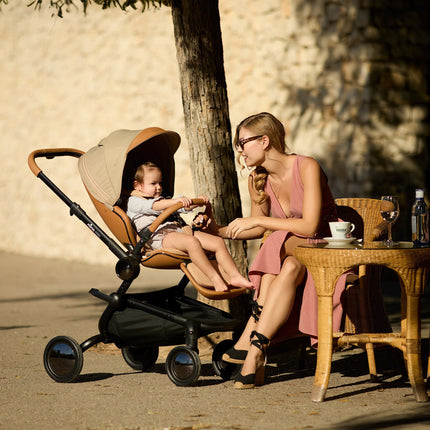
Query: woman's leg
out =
(191, 245)
(290, 244)
(217, 245)
(243, 342)
(237, 353)
(278, 304)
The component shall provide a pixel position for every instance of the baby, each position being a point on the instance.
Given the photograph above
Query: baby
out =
(146, 203)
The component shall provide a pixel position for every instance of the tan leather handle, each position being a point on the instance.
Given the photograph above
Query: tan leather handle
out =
(50, 153)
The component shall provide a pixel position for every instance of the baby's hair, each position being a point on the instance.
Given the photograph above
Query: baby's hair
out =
(140, 171)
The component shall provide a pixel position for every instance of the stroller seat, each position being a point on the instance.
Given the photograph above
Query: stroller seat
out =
(121, 226)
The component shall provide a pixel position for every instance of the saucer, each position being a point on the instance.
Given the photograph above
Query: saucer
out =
(339, 241)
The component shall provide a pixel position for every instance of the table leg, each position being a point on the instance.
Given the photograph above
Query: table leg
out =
(413, 346)
(364, 321)
(325, 348)
(428, 367)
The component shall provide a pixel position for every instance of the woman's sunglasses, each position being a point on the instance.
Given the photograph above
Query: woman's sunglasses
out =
(241, 142)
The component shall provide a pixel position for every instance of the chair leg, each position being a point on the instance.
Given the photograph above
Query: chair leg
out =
(302, 353)
(370, 351)
(428, 365)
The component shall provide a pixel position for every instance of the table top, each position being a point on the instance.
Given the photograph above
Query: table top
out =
(361, 245)
(403, 255)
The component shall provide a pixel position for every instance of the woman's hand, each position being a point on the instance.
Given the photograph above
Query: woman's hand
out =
(240, 225)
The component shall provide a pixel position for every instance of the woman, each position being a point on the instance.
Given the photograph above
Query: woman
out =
(290, 197)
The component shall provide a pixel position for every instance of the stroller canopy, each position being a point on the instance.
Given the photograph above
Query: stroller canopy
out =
(108, 168)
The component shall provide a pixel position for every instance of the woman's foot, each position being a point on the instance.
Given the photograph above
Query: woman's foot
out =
(252, 373)
(250, 380)
(236, 356)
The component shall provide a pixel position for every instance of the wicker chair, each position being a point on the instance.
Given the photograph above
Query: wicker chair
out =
(364, 308)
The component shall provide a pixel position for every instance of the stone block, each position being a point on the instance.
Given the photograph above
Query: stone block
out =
(419, 113)
(334, 11)
(363, 18)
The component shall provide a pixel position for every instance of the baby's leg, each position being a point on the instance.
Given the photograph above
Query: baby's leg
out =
(216, 244)
(192, 246)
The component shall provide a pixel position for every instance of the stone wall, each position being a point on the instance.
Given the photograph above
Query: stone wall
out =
(348, 78)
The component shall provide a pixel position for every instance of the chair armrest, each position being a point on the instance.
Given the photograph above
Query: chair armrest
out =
(266, 234)
(380, 231)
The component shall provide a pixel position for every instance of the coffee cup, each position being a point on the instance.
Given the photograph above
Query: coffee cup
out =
(341, 229)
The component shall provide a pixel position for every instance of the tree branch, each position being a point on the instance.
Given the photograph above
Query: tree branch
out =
(105, 4)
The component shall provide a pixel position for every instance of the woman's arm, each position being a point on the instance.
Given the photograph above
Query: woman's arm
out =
(307, 226)
(247, 233)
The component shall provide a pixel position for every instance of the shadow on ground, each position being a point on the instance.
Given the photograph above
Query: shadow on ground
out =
(420, 415)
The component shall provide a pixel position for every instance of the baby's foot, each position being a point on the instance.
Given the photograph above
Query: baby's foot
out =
(220, 286)
(241, 282)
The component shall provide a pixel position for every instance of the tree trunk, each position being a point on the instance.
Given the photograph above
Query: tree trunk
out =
(204, 97)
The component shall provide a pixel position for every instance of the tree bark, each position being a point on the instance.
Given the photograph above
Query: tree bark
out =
(199, 51)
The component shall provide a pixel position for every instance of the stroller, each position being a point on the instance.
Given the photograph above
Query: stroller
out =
(139, 323)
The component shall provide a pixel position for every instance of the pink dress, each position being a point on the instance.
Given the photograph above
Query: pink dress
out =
(304, 316)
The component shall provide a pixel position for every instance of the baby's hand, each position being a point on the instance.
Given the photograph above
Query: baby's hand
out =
(204, 198)
(185, 201)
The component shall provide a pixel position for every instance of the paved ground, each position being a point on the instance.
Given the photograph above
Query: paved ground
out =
(42, 298)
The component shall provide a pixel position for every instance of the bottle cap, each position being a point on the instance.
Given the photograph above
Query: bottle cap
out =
(419, 193)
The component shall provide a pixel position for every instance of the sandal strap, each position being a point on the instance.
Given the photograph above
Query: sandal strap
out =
(256, 310)
(261, 340)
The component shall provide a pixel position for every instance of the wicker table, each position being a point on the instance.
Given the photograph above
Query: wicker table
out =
(326, 263)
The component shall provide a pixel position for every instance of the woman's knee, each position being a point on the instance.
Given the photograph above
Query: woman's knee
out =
(292, 268)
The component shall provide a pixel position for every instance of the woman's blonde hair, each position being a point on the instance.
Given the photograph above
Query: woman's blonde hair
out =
(263, 124)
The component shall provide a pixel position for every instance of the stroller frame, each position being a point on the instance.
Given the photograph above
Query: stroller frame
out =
(63, 355)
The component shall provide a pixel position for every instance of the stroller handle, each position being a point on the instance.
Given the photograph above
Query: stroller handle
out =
(50, 153)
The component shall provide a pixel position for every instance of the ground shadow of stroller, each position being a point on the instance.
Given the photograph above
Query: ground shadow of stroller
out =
(207, 372)
(139, 323)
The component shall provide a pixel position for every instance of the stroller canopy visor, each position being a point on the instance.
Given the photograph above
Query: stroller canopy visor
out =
(108, 168)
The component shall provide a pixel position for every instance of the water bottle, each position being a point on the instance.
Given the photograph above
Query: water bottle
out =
(420, 218)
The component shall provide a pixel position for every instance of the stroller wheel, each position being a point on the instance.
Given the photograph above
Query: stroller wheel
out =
(63, 359)
(223, 369)
(140, 358)
(183, 366)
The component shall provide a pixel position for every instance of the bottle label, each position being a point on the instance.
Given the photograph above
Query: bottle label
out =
(420, 233)
(414, 228)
